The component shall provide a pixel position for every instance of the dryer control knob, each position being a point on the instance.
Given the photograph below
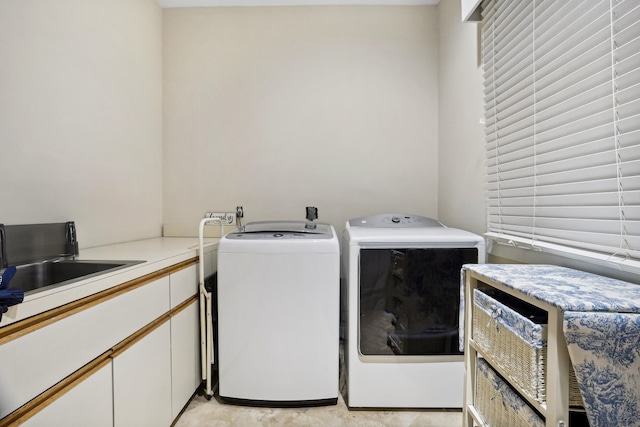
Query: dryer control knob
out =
(395, 220)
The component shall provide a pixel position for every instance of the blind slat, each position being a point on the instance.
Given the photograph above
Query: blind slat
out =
(554, 13)
(554, 129)
(596, 86)
(574, 39)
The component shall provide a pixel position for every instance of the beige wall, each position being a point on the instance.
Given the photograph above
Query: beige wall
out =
(80, 116)
(271, 108)
(461, 179)
(280, 108)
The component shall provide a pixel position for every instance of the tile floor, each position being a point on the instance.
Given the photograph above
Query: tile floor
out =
(210, 413)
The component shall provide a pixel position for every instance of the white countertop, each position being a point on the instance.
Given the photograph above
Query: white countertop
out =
(157, 253)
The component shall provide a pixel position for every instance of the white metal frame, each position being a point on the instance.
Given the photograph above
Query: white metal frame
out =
(556, 410)
(206, 318)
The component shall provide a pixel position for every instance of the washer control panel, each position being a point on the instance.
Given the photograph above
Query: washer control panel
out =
(265, 230)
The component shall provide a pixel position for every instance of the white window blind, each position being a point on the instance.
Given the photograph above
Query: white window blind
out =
(562, 124)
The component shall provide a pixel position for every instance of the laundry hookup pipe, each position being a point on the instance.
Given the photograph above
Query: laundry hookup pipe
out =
(206, 327)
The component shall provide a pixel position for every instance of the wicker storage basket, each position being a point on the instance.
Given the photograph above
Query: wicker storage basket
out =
(498, 404)
(514, 335)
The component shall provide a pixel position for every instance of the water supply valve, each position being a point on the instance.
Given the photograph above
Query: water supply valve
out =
(312, 213)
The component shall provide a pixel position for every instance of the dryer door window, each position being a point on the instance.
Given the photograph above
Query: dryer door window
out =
(410, 299)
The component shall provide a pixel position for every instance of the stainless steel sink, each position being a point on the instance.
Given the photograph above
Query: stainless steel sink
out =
(38, 276)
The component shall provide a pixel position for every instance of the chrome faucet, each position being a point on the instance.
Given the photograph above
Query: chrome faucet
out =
(72, 240)
(3, 248)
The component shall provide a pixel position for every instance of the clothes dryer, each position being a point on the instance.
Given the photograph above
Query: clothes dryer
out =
(400, 310)
(278, 314)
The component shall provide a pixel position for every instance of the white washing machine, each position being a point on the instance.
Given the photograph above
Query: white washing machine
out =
(278, 314)
(400, 310)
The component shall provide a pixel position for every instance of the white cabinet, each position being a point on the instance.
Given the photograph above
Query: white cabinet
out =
(156, 377)
(184, 285)
(127, 357)
(45, 356)
(185, 356)
(142, 382)
(185, 338)
(90, 403)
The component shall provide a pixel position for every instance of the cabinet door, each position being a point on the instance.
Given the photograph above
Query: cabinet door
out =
(45, 356)
(185, 356)
(90, 403)
(142, 382)
(184, 284)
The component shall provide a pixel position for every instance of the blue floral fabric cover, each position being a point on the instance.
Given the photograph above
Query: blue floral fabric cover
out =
(561, 287)
(602, 329)
(565, 288)
(605, 352)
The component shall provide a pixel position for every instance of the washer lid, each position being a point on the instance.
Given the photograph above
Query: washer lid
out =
(282, 230)
(394, 220)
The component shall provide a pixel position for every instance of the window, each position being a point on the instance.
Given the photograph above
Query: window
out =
(562, 124)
